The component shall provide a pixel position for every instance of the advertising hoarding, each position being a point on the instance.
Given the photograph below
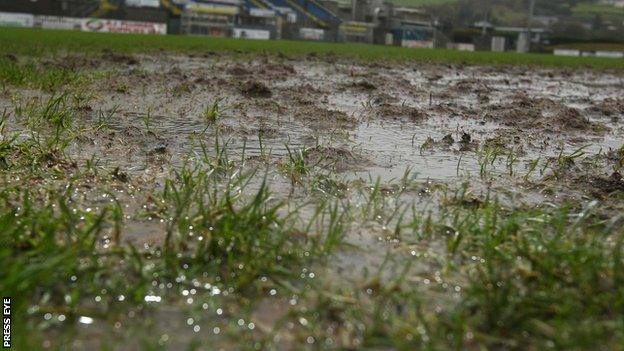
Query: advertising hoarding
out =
(117, 26)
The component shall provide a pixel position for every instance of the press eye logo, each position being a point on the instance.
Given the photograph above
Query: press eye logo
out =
(6, 322)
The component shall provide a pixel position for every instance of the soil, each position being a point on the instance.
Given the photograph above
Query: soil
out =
(255, 89)
(525, 136)
(387, 110)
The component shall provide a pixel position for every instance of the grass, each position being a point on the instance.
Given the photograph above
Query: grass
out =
(59, 255)
(28, 74)
(39, 42)
(546, 277)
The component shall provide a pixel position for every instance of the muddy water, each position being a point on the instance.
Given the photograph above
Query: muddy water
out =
(373, 121)
(437, 121)
(452, 98)
(361, 124)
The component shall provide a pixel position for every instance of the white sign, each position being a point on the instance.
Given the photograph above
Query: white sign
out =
(389, 39)
(214, 9)
(143, 3)
(8, 19)
(417, 44)
(498, 44)
(55, 22)
(460, 46)
(261, 12)
(251, 34)
(567, 52)
(311, 33)
(116, 26)
(610, 54)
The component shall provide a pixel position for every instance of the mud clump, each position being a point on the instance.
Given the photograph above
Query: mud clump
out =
(432, 77)
(277, 70)
(466, 143)
(238, 70)
(571, 119)
(160, 149)
(304, 94)
(602, 186)
(267, 70)
(383, 98)
(445, 109)
(525, 101)
(305, 89)
(399, 112)
(609, 107)
(526, 113)
(115, 57)
(512, 116)
(213, 81)
(363, 85)
(322, 118)
(337, 159)
(119, 175)
(616, 157)
(472, 85)
(256, 89)
(447, 140)
(262, 131)
(507, 142)
(445, 143)
(176, 72)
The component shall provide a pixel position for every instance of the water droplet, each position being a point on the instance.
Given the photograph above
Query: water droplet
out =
(152, 298)
(85, 320)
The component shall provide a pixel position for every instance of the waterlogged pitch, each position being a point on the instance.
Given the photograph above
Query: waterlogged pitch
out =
(205, 199)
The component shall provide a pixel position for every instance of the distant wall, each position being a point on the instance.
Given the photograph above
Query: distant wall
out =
(55, 8)
(11, 19)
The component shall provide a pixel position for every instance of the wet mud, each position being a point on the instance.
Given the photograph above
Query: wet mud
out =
(418, 131)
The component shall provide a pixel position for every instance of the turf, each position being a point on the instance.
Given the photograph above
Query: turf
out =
(40, 42)
(246, 264)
